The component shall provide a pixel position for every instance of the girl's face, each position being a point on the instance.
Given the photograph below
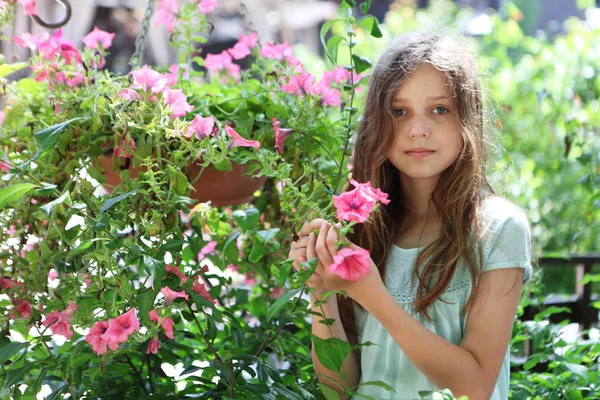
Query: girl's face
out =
(427, 137)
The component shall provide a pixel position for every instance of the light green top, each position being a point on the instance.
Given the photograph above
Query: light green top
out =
(506, 244)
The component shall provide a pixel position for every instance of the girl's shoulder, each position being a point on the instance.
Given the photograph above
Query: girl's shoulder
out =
(496, 209)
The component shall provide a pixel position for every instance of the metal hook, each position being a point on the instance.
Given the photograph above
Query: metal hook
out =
(54, 25)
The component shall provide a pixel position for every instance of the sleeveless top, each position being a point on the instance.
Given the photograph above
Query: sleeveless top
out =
(506, 244)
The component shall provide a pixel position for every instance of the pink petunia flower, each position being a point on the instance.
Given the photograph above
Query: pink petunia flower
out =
(171, 295)
(4, 166)
(201, 127)
(120, 328)
(329, 96)
(52, 275)
(167, 14)
(173, 74)
(175, 271)
(300, 85)
(222, 61)
(7, 283)
(244, 46)
(209, 248)
(76, 80)
(59, 322)
(129, 94)
(278, 52)
(177, 101)
(148, 80)
(374, 193)
(354, 205)
(277, 292)
(341, 75)
(152, 346)
(240, 141)
(23, 308)
(98, 37)
(206, 6)
(95, 337)
(350, 263)
(281, 134)
(31, 41)
(29, 7)
(11, 229)
(123, 151)
(200, 290)
(167, 323)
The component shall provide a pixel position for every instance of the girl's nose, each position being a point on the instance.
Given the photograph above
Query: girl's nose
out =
(419, 129)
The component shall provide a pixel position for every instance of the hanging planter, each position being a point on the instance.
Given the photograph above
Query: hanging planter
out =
(221, 188)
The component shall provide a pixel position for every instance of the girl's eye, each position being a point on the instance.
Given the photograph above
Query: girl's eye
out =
(399, 112)
(440, 110)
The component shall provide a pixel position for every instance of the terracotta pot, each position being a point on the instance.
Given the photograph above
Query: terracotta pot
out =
(222, 188)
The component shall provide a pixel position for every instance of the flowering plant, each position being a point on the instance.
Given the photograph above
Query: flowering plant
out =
(145, 291)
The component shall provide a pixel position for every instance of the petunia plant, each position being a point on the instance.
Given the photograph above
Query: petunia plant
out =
(121, 274)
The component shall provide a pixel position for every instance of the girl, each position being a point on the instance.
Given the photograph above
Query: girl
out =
(448, 256)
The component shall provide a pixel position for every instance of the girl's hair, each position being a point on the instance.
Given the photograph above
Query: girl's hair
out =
(461, 186)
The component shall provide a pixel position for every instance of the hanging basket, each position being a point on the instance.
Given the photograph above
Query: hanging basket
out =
(221, 188)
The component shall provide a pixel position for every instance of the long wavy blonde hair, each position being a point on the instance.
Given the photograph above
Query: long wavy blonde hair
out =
(459, 192)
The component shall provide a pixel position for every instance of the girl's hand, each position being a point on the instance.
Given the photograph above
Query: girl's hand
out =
(324, 247)
(298, 251)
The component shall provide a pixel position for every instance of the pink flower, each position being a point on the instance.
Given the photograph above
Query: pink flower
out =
(217, 62)
(341, 75)
(250, 281)
(123, 151)
(175, 271)
(329, 96)
(201, 127)
(1, 117)
(31, 41)
(375, 194)
(148, 80)
(129, 94)
(59, 322)
(207, 6)
(300, 85)
(171, 295)
(95, 337)
(98, 37)
(29, 7)
(52, 274)
(167, 14)
(277, 292)
(167, 323)
(23, 308)
(6, 283)
(69, 53)
(120, 328)
(11, 229)
(350, 263)
(207, 249)
(354, 205)
(152, 346)
(240, 141)
(177, 101)
(75, 80)
(278, 52)
(173, 74)
(244, 46)
(200, 290)
(4, 166)
(280, 135)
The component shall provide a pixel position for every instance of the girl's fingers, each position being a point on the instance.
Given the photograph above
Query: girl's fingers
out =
(300, 243)
(331, 240)
(310, 247)
(321, 247)
(309, 226)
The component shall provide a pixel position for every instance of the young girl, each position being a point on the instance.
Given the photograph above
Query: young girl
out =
(448, 256)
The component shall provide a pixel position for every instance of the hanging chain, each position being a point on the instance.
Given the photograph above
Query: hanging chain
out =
(55, 25)
(249, 25)
(140, 41)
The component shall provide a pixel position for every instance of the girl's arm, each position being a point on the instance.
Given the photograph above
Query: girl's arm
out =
(351, 366)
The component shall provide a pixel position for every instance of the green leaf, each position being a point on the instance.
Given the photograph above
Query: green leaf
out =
(268, 235)
(379, 384)
(145, 301)
(156, 268)
(179, 183)
(365, 6)
(324, 30)
(258, 250)
(246, 219)
(332, 48)
(329, 393)
(7, 69)
(351, 3)
(284, 272)
(224, 165)
(115, 200)
(331, 352)
(48, 138)
(65, 198)
(281, 302)
(371, 24)
(13, 193)
(10, 349)
(47, 190)
(361, 64)
(14, 376)
(230, 250)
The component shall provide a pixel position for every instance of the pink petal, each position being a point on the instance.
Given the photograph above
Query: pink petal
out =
(240, 141)
(350, 264)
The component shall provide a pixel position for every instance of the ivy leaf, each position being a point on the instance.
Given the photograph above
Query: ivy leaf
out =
(281, 302)
(111, 202)
(371, 24)
(48, 138)
(361, 64)
(331, 352)
(13, 193)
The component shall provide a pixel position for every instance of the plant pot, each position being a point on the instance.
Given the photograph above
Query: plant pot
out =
(221, 188)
